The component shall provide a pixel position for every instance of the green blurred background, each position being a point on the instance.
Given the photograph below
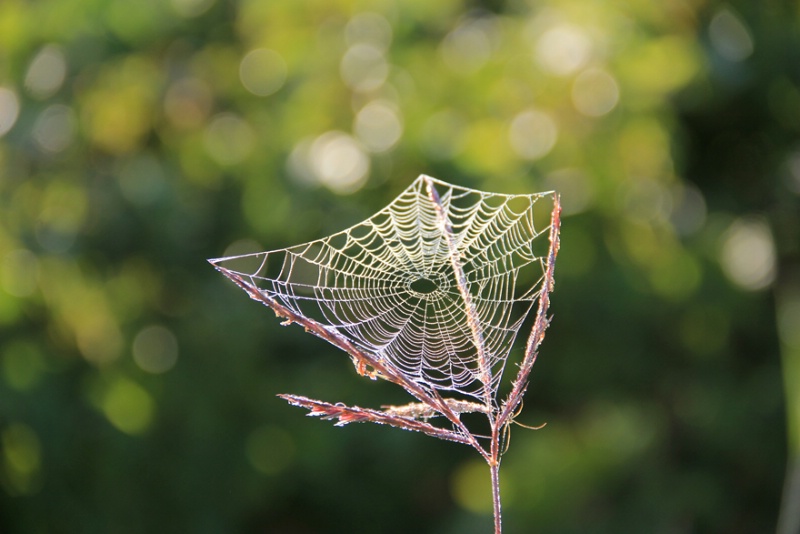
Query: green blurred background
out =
(137, 139)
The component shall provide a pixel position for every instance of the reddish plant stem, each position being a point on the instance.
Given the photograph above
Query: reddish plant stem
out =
(506, 414)
(360, 358)
(520, 383)
(494, 469)
(484, 368)
(356, 414)
(498, 522)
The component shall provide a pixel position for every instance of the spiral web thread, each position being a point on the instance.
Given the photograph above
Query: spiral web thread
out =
(389, 284)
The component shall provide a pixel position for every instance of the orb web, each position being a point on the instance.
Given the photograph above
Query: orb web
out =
(390, 284)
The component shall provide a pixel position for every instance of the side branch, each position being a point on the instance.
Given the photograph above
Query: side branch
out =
(356, 414)
(484, 369)
(540, 325)
(361, 359)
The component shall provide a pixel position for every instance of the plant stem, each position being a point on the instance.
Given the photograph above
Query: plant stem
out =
(495, 469)
(473, 322)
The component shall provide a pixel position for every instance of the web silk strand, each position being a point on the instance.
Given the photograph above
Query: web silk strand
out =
(435, 286)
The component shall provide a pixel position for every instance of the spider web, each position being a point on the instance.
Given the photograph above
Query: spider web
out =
(390, 284)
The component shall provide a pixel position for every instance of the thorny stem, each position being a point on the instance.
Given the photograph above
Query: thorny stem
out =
(360, 358)
(356, 414)
(505, 417)
(485, 370)
(542, 322)
(495, 470)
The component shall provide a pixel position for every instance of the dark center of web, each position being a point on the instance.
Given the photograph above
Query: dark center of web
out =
(424, 286)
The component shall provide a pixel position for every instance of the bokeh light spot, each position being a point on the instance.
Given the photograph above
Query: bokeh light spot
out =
(595, 92)
(378, 126)
(270, 450)
(9, 109)
(468, 47)
(262, 71)
(729, 36)
(62, 212)
(54, 129)
(334, 159)
(155, 349)
(229, 139)
(46, 72)
(369, 28)
(119, 108)
(128, 406)
(563, 49)
(575, 188)
(338, 162)
(471, 489)
(661, 65)
(748, 254)
(363, 67)
(141, 179)
(645, 199)
(187, 103)
(20, 271)
(689, 210)
(98, 337)
(533, 134)
(21, 459)
(299, 163)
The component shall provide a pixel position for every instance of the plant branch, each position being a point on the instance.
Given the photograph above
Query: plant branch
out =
(484, 369)
(356, 414)
(361, 359)
(541, 323)
(496, 507)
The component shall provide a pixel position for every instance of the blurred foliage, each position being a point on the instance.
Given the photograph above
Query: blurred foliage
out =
(139, 138)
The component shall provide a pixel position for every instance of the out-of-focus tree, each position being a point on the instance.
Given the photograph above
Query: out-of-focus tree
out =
(139, 138)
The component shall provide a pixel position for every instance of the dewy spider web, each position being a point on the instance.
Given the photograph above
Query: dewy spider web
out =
(389, 285)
